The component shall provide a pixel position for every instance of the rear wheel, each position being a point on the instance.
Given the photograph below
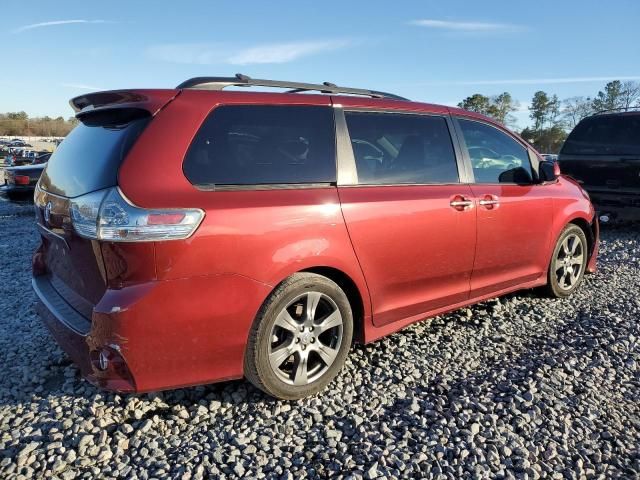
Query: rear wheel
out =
(300, 338)
(16, 197)
(568, 262)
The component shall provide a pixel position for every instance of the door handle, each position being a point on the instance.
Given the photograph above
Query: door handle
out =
(461, 203)
(489, 202)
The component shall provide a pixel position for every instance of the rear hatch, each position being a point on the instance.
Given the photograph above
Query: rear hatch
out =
(87, 161)
(603, 153)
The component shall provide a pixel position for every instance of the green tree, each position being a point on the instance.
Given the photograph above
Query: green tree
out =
(504, 106)
(498, 107)
(547, 133)
(609, 99)
(553, 117)
(540, 109)
(478, 103)
(546, 140)
(17, 116)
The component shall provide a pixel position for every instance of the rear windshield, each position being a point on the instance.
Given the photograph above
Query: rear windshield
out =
(263, 144)
(605, 135)
(89, 157)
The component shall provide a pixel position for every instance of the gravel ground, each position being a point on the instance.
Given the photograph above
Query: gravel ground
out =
(519, 387)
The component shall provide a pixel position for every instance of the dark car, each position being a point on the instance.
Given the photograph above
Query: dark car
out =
(28, 158)
(19, 182)
(198, 234)
(16, 142)
(603, 154)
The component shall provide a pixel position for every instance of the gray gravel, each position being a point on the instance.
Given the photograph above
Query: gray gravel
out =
(519, 387)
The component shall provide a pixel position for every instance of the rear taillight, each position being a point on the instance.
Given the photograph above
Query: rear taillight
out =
(21, 179)
(108, 215)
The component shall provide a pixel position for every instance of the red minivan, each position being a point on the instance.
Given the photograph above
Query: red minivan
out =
(195, 235)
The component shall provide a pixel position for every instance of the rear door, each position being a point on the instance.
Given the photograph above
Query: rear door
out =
(88, 160)
(514, 212)
(410, 219)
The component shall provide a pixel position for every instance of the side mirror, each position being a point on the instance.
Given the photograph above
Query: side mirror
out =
(517, 175)
(549, 171)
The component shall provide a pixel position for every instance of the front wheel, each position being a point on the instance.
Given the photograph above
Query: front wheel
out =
(300, 338)
(568, 262)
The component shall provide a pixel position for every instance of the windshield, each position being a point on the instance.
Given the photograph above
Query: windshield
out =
(605, 135)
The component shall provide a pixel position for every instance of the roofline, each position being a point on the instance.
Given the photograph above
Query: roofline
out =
(613, 111)
(240, 80)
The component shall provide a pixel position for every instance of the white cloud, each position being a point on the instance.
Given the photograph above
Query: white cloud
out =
(54, 23)
(206, 54)
(468, 27)
(81, 86)
(284, 52)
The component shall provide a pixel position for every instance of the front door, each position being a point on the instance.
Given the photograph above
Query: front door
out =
(514, 213)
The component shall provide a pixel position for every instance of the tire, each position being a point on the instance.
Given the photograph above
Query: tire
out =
(277, 347)
(568, 263)
(16, 196)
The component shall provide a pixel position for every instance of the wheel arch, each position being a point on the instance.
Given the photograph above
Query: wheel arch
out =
(351, 290)
(581, 218)
(589, 230)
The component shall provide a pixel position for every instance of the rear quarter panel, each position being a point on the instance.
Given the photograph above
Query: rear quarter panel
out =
(264, 235)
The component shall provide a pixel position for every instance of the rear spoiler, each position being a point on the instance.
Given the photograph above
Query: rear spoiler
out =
(149, 100)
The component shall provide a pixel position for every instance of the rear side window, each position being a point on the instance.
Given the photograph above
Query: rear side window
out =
(91, 155)
(263, 144)
(401, 148)
(495, 156)
(605, 135)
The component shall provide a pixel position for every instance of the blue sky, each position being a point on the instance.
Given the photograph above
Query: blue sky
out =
(433, 51)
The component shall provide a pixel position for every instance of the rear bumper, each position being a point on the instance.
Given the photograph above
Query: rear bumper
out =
(17, 189)
(71, 330)
(160, 334)
(618, 206)
(72, 342)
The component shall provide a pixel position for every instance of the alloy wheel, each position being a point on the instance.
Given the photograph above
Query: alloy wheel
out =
(569, 262)
(305, 338)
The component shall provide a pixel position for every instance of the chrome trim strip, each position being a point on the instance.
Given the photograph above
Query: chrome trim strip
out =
(347, 173)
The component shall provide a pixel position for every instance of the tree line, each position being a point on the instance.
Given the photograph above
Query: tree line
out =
(554, 118)
(19, 124)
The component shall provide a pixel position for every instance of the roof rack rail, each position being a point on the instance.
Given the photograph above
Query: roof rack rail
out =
(619, 109)
(240, 80)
